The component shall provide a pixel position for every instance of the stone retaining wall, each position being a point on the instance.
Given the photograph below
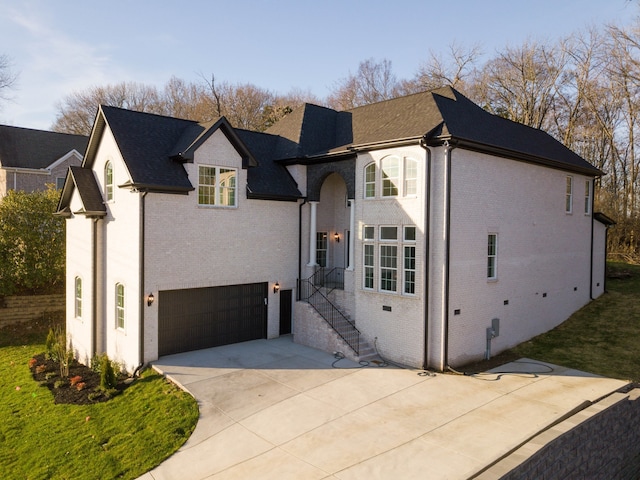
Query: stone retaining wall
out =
(17, 309)
(601, 441)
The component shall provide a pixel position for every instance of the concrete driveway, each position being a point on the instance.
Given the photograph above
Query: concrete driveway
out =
(272, 409)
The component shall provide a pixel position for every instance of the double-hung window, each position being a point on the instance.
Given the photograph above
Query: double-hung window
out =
(370, 181)
(395, 177)
(409, 265)
(390, 167)
(388, 259)
(587, 197)
(217, 186)
(120, 306)
(492, 256)
(410, 177)
(369, 257)
(568, 197)
(321, 248)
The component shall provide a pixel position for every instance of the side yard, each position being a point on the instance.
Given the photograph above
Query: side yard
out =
(121, 438)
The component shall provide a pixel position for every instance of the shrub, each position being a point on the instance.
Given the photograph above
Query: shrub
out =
(108, 378)
(80, 385)
(32, 362)
(41, 368)
(74, 380)
(57, 350)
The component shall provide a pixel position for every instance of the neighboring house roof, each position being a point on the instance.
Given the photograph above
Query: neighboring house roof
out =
(437, 116)
(36, 149)
(84, 180)
(602, 218)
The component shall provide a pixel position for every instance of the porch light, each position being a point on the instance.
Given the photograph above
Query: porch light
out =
(276, 287)
(336, 237)
(150, 299)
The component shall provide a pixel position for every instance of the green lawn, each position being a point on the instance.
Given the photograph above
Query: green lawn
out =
(121, 438)
(603, 337)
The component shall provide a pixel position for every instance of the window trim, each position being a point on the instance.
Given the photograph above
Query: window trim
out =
(120, 307)
(370, 166)
(392, 269)
(216, 191)
(568, 195)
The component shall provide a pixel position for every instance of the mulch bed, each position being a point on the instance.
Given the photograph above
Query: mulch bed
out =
(85, 390)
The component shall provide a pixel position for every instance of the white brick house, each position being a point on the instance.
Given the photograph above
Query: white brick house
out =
(414, 225)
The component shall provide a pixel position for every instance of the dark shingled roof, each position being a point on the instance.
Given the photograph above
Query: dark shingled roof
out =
(27, 148)
(85, 181)
(437, 115)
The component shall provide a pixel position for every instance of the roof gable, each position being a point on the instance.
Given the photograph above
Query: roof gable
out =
(84, 182)
(36, 149)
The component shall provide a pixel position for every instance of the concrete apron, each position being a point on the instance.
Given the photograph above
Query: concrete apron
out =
(272, 409)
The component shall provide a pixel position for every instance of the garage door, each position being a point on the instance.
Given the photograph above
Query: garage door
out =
(197, 318)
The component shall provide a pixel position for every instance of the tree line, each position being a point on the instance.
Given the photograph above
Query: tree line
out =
(583, 89)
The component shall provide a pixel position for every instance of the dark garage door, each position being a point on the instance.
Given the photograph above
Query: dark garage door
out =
(197, 318)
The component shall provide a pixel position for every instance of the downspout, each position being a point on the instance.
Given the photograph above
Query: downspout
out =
(300, 247)
(427, 252)
(94, 289)
(447, 287)
(141, 288)
(605, 248)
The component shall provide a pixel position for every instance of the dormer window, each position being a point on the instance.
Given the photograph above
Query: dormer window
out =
(108, 182)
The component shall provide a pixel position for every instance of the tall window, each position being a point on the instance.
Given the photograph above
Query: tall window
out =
(390, 167)
(587, 197)
(568, 197)
(388, 268)
(216, 186)
(119, 306)
(78, 298)
(410, 177)
(108, 181)
(492, 256)
(409, 266)
(369, 257)
(321, 248)
(370, 181)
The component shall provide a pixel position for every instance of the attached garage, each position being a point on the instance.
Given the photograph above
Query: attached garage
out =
(192, 319)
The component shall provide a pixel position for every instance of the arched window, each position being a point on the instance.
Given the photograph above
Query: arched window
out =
(120, 306)
(78, 298)
(108, 181)
(370, 180)
(390, 167)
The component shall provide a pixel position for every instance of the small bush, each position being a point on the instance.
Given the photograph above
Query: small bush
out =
(80, 385)
(74, 380)
(32, 362)
(108, 378)
(59, 384)
(41, 368)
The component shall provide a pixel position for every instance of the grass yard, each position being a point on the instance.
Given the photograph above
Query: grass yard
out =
(602, 338)
(121, 438)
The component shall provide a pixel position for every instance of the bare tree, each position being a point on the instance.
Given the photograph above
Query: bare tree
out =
(373, 82)
(7, 77)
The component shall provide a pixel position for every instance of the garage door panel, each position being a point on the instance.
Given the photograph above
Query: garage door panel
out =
(193, 319)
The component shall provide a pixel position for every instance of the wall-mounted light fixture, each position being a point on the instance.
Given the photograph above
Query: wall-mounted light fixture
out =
(336, 237)
(276, 287)
(150, 299)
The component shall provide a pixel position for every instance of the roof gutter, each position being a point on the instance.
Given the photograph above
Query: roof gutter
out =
(447, 260)
(141, 295)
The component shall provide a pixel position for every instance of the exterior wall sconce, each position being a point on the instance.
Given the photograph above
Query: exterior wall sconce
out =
(336, 237)
(150, 299)
(276, 287)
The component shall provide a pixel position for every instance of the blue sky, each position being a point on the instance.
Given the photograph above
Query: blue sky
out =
(65, 46)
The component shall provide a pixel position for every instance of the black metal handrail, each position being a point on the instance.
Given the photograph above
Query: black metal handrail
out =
(329, 278)
(344, 327)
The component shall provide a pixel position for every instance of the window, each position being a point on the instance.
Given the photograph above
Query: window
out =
(587, 197)
(390, 167)
(216, 186)
(78, 298)
(368, 232)
(388, 268)
(409, 264)
(492, 256)
(120, 306)
(321, 248)
(388, 233)
(370, 181)
(568, 198)
(410, 177)
(59, 183)
(368, 265)
(108, 181)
